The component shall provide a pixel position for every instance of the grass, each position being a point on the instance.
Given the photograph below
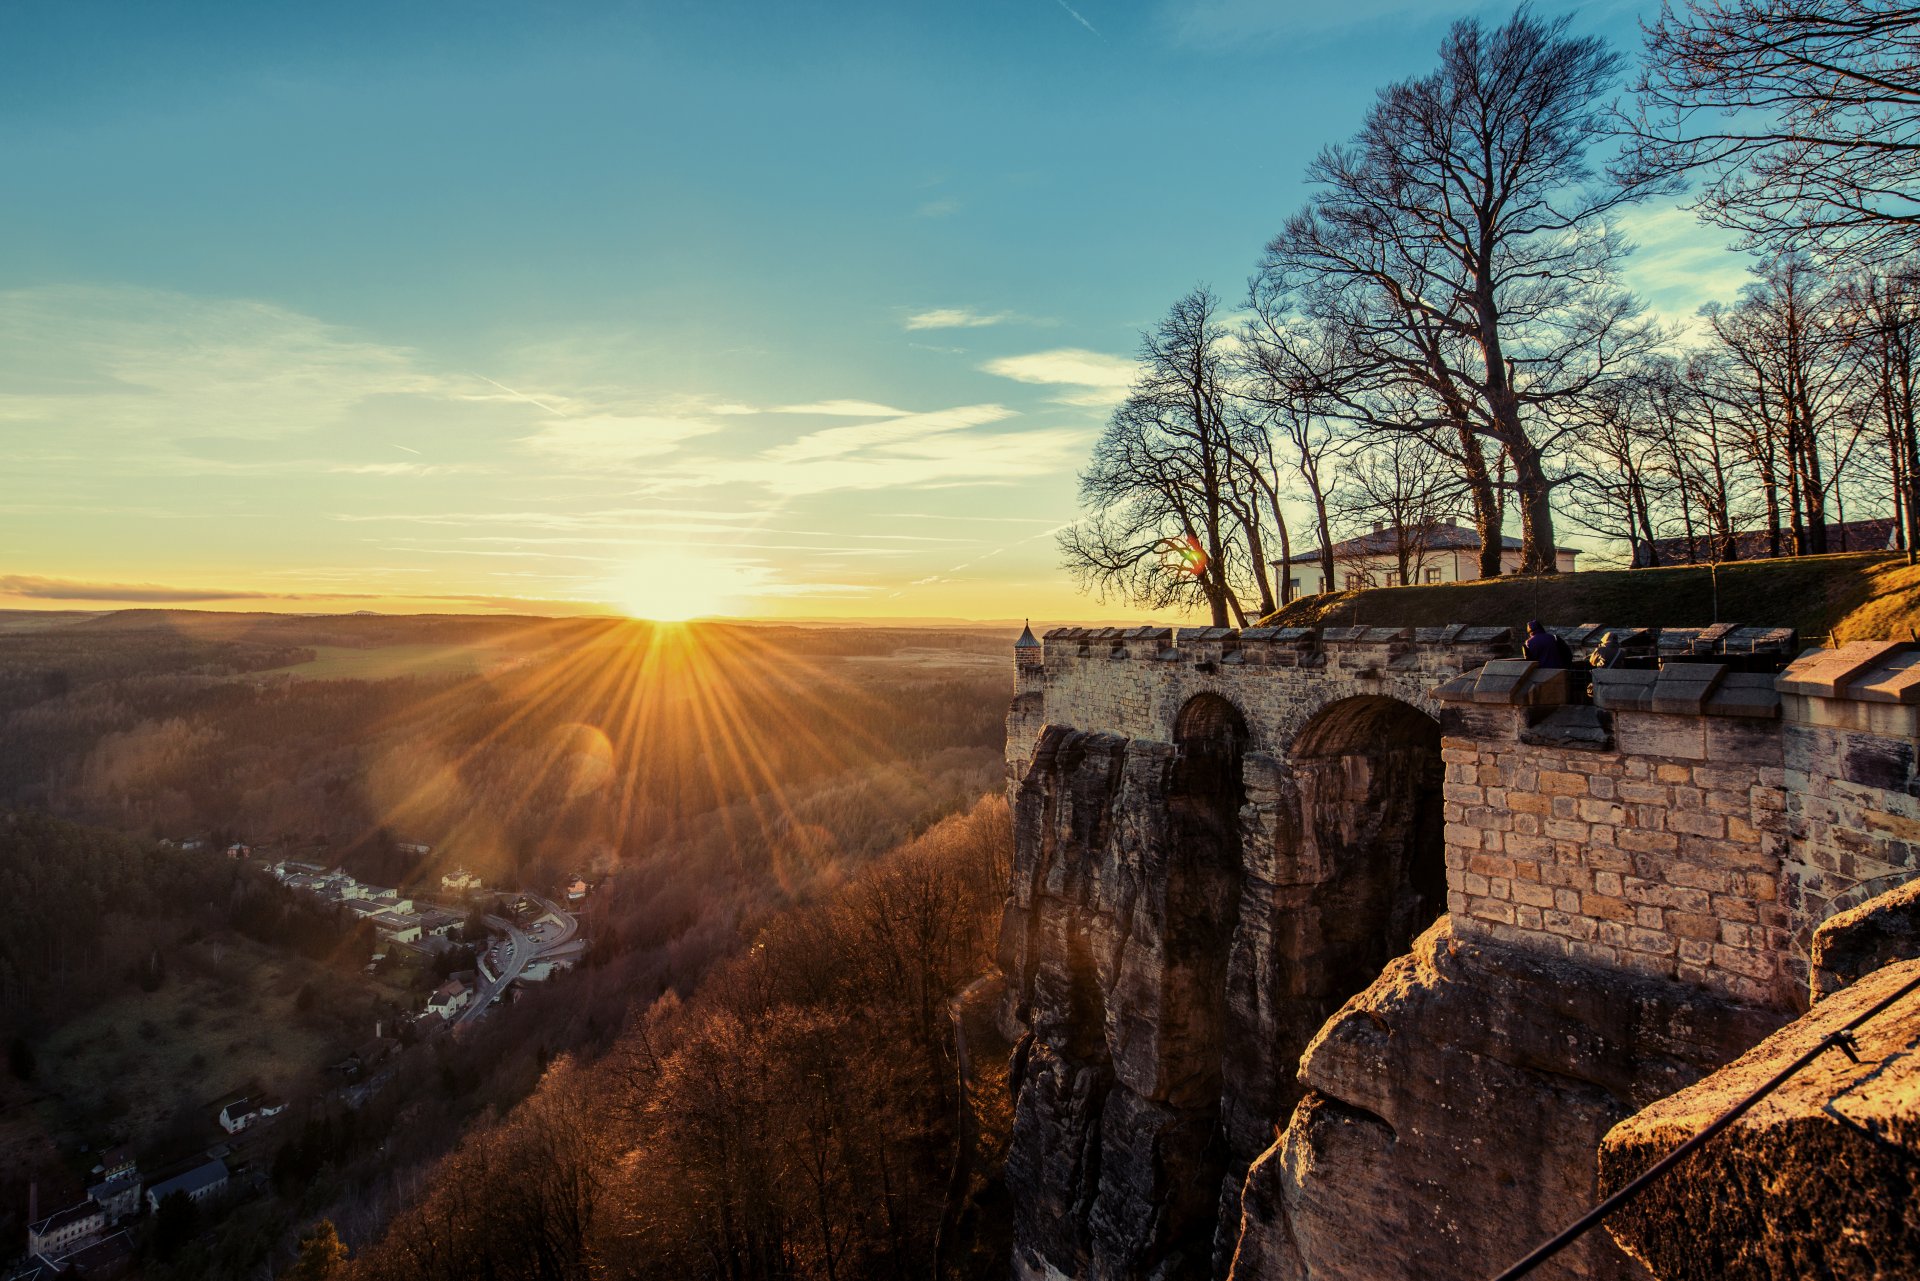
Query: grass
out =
(139, 1063)
(349, 663)
(1863, 596)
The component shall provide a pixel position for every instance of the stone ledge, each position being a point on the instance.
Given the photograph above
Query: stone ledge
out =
(1851, 944)
(1849, 671)
(1816, 1180)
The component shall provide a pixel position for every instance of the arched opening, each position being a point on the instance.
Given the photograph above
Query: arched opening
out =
(1202, 912)
(1369, 773)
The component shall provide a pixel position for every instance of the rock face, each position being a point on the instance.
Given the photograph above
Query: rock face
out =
(1816, 1181)
(1182, 920)
(1453, 1109)
(1858, 941)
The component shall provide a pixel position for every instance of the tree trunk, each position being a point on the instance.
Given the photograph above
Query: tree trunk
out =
(1486, 505)
(1536, 512)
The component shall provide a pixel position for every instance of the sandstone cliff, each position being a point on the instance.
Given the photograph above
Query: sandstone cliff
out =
(1453, 1110)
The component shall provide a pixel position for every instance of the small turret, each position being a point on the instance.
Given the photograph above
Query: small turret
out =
(1027, 653)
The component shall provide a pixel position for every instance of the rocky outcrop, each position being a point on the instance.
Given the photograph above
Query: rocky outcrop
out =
(1453, 1109)
(1817, 1180)
(1863, 939)
(1181, 922)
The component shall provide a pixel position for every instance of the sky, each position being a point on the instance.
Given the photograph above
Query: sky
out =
(792, 309)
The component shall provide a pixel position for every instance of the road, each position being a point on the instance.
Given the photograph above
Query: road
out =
(522, 949)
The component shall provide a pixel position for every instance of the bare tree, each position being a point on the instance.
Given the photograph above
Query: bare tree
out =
(1464, 242)
(1398, 485)
(1169, 486)
(1785, 339)
(1285, 375)
(1802, 117)
(1883, 327)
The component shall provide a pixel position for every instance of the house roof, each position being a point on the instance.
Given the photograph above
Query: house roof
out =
(1873, 535)
(198, 1179)
(1027, 640)
(1439, 537)
(75, 1213)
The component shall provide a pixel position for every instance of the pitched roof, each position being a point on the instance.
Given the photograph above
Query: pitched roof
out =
(1027, 640)
(198, 1179)
(75, 1213)
(1872, 535)
(1438, 537)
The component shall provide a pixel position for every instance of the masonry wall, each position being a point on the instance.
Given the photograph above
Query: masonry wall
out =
(1853, 805)
(1660, 857)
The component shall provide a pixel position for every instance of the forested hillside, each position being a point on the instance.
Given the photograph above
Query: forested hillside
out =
(799, 1116)
(718, 784)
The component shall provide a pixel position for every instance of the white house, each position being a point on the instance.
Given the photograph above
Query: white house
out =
(576, 890)
(241, 1113)
(64, 1231)
(199, 1183)
(449, 998)
(460, 881)
(1439, 553)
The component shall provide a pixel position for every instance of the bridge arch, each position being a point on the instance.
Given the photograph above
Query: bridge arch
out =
(1369, 777)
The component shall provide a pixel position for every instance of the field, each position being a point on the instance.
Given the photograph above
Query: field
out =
(147, 1064)
(353, 663)
(1867, 596)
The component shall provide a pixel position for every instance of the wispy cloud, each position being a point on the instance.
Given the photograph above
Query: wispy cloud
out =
(407, 469)
(1101, 379)
(940, 208)
(613, 440)
(840, 409)
(1679, 263)
(956, 318)
(32, 587)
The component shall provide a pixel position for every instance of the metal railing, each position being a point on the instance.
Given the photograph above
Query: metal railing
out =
(1841, 1038)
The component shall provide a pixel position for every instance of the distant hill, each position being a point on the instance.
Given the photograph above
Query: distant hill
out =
(1864, 596)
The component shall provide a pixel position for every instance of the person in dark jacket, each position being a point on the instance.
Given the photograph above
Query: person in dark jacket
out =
(1544, 648)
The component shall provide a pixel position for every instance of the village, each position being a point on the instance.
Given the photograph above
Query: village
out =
(512, 938)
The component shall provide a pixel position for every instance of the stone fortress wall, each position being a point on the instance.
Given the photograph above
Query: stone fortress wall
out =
(1697, 829)
(1228, 851)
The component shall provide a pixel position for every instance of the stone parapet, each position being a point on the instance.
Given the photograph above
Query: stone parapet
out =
(1660, 858)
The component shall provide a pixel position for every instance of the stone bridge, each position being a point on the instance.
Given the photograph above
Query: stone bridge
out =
(1222, 838)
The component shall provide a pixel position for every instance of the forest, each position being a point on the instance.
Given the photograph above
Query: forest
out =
(722, 786)
(1443, 332)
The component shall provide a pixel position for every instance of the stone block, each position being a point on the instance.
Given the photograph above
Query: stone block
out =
(1691, 823)
(1615, 689)
(1603, 907)
(1502, 680)
(1827, 673)
(1683, 688)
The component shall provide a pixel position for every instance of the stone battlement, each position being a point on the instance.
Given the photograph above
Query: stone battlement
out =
(1693, 822)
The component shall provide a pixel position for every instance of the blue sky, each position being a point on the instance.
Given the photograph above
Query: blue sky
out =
(803, 309)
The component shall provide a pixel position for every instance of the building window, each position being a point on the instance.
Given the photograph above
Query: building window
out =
(1355, 581)
(1293, 587)
(1433, 573)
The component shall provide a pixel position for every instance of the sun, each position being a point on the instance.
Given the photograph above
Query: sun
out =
(676, 586)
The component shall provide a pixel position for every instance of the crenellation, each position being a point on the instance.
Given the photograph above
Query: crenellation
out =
(1681, 830)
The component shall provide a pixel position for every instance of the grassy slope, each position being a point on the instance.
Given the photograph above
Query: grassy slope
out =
(1853, 597)
(224, 1017)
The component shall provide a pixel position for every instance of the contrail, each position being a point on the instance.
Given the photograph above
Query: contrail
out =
(522, 396)
(1075, 15)
(410, 449)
